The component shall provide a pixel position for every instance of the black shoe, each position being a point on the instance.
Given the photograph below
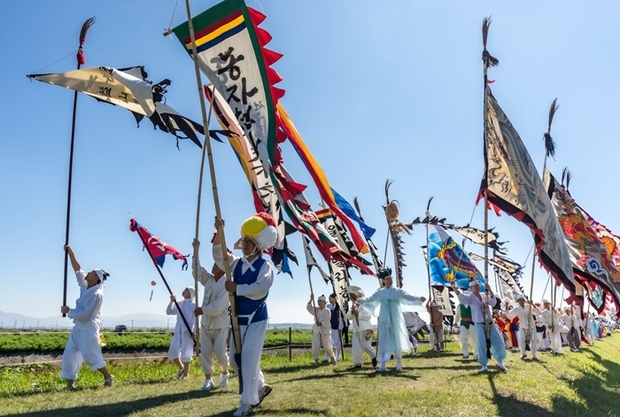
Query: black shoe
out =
(374, 362)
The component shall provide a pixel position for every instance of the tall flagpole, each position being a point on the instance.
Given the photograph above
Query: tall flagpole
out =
(309, 267)
(80, 60)
(427, 259)
(549, 151)
(488, 61)
(216, 200)
(198, 200)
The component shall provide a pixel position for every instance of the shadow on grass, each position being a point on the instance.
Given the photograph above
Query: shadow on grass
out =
(368, 373)
(290, 412)
(434, 354)
(508, 406)
(296, 368)
(122, 408)
(593, 388)
(473, 365)
(391, 373)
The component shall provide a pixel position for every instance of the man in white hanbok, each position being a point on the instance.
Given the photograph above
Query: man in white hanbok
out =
(181, 348)
(482, 317)
(388, 304)
(321, 334)
(252, 277)
(84, 344)
(573, 335)
(467, 331)
(215, 322)
(361, 327)
(527, 325)
(551, 319)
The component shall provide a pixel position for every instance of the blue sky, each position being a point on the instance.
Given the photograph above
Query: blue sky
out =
(377, 92)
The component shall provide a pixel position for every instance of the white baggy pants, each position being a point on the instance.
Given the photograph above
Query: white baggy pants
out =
(82, 346)
(213, 341)
(253, 337)
(467, 337)
(181, 346)
(361, 345)
(533, 341)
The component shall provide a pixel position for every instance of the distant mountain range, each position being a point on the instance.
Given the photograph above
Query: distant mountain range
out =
(9, 321)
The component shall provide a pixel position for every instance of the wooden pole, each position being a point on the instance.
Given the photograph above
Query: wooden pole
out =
(316, 320)
(485, 60)
(545, 290)
(85, 26)
(198, 201)
(216, 201)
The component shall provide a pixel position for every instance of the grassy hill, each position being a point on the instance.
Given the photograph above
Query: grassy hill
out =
(583, 383)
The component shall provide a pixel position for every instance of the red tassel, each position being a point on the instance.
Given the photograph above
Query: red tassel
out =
(80, 57)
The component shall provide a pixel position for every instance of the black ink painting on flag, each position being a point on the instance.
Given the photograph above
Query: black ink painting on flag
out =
(513, 185)
(130, 89)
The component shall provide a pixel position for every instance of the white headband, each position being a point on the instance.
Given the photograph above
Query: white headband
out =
(101, 274)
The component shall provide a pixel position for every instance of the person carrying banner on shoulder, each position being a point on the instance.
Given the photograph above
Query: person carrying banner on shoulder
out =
(84, 343)
(388, 304)
(181, 348)
(252, 277)
(215, 321)
(362, 329)
(321, 331)
(480, 312)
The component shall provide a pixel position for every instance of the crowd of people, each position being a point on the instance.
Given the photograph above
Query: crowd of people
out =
(485, 322)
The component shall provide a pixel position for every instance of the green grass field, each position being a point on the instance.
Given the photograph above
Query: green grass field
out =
(585, 383)
(56, 341)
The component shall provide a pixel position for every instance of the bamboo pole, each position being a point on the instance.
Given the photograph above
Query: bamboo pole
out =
(216, 201)
(198, 201)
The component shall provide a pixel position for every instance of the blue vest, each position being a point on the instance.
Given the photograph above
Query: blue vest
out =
(334, 317)
(246, 306)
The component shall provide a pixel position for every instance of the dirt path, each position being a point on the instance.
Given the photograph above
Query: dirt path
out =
(56, 357)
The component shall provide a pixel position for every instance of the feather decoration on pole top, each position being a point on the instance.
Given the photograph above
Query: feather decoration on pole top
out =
(566, 177)
(549, 143)
(488, 59)
(80, 53)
